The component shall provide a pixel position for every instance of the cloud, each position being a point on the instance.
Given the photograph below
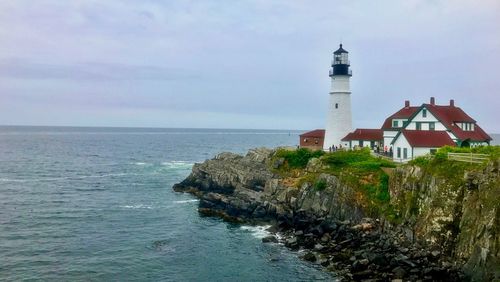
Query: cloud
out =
(25, 69)
(246, 59)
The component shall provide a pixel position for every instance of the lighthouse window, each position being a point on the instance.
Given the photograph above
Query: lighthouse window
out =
(336, 105)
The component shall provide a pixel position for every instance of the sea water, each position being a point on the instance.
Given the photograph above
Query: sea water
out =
(97, 204)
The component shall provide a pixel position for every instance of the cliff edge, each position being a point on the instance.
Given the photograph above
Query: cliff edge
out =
(421, 222)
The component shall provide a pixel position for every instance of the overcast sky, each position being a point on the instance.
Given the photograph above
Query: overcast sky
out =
(242, 64)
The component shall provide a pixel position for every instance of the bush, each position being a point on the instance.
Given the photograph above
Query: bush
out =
(421, 161)
(361, 159)
(298, 158)
(341, 158)
(320, 185)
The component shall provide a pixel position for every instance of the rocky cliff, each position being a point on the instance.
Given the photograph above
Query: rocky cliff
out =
(460, 214)
(436, 224)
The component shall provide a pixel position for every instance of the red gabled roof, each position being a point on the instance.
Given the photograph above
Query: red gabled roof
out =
(449, 115)
(405, 112)
(365, 134)
(426, 138)
(318, 133)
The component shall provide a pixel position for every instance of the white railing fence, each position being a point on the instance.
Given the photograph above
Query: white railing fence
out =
(468, 157)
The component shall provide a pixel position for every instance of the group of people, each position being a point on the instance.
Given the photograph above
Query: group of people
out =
(387, 151)
(334, 148)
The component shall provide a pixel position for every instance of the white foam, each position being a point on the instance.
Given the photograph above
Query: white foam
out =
(177, 164)
(186, 201)
(140, 206)
(140, 163)
(259, 231)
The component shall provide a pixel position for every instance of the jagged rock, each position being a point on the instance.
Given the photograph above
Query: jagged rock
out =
(270, 239)
(309, 256)
(318, 247)
(399, 272)
(459, 219)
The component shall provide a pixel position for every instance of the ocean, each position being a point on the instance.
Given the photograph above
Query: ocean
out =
(97, 204)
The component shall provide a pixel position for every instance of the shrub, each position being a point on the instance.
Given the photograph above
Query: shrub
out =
(341, 158)
(420, 161)
(320, 185)
(298, 158)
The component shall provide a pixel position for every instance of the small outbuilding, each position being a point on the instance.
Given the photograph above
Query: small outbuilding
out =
(313, 139)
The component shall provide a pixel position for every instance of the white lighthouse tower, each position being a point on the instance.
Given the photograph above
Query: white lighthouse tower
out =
(339, 122)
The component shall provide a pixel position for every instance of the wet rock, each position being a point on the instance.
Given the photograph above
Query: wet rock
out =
(270, 239)
(309, 256)
(399, 272)
(435, 253)
(318, 247)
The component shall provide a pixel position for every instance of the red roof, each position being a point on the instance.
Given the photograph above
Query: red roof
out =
(405, 112)
(449, 115)
(426, 138)
(318, 133)
(365, 134)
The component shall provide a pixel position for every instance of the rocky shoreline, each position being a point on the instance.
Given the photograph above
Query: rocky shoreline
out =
(363, 252)
(330, 225)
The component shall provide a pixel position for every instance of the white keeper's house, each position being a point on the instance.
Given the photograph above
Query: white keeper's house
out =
(430, 127)
(410, 132)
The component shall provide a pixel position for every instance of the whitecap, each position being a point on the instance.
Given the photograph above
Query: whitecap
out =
(186, 201)
(140, 206)
(140, 163)
(259, 231)
(178, 164)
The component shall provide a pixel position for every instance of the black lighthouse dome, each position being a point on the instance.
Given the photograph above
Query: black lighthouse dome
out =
(340, 63)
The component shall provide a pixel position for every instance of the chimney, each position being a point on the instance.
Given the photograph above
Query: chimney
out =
(452, 103)
(433, 101)
(407, 104)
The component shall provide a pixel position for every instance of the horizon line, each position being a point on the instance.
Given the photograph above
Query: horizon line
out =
(146, 127)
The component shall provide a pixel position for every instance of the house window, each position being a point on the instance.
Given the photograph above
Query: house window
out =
(405, 123)
(315, 141)
(405, 153)
(433, 151)
(395, 123)
(336, 105)
(305, 140)
(419, 126)
(432, 126)
(398, 154)
(424, 113)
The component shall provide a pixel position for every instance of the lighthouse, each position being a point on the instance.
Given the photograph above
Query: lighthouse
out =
(339, 122)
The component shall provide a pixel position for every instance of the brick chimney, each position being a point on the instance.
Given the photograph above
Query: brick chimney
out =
(452, 103)
(433, 101)
(407, 104)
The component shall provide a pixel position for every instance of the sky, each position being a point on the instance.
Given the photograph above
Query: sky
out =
(242, 64)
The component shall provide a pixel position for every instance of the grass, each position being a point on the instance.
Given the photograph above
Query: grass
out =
(358, 169)
(297, 158)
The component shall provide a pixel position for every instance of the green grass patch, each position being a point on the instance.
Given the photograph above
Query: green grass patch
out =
(319, 185)
(297, 158)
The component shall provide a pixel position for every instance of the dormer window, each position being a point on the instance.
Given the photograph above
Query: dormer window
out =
(467, 126)
(395, 123)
